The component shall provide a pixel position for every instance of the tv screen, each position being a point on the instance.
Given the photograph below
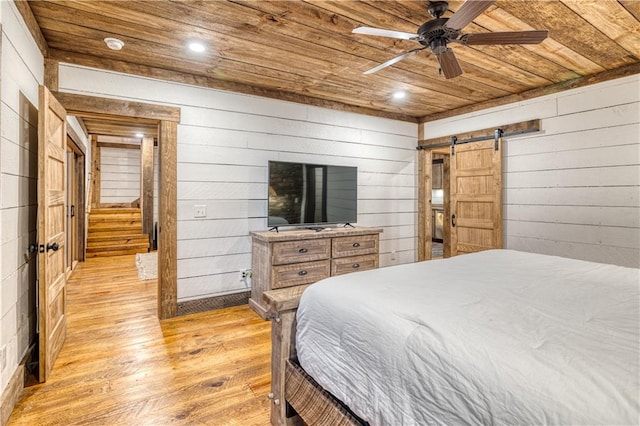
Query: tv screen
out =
(311, 194)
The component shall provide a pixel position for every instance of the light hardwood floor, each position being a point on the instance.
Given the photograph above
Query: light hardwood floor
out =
(121, 366)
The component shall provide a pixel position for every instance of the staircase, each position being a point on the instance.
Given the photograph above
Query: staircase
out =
(116, 232)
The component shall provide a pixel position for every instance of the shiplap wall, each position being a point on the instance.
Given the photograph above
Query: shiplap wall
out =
(21, 70)
(574, 188)
(119, 175)
(224, 143)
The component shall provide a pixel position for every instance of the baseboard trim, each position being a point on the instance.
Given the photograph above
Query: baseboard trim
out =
(213, 303)
(12, 394)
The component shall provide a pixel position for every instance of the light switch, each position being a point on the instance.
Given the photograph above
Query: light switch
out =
(199, 211)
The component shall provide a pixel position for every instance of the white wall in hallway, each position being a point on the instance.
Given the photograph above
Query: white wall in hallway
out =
(224, 143)
(119, 175)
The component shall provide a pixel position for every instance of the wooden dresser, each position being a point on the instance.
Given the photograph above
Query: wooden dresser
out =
(298, 257)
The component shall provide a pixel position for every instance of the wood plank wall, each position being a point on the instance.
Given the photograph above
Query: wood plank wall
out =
(572, 189)
(22, 69)
(224, 143)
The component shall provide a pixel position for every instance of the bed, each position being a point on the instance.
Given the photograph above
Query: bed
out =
(496, 337)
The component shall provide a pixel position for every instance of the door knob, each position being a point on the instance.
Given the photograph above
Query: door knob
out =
(53, 247)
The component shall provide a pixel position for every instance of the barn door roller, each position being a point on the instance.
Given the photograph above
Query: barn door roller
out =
(496, 138)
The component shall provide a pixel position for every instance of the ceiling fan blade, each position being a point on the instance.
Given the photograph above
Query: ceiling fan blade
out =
(507, 37)
(378, 32)
(469, 11)
(393, 61)
(449, 64)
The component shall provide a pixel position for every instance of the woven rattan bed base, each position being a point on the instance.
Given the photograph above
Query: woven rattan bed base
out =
(312, 403)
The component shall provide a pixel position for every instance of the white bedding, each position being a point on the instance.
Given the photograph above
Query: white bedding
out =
(497, 337)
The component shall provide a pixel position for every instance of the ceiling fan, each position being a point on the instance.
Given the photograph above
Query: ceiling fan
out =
(437, 33)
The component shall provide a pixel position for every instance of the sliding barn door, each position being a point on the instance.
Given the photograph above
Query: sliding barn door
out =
(52, 212)
(476, 197)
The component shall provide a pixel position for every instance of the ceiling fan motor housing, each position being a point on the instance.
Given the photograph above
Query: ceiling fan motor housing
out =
(435, 35)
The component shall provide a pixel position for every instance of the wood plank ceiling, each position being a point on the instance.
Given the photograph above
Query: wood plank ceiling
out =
(304, 51)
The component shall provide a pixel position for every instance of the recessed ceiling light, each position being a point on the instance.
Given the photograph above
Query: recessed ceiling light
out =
(196, 46)
(114, 43)
(139, 135)
(399, 95)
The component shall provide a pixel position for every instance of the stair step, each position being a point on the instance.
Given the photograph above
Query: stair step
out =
(114, 217)
(115, 224)
(114, 253)
(125, 237)
(114, 211)
(116, 247)
(115, 232)
(118, 241)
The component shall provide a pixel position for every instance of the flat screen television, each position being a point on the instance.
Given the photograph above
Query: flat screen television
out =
(312, 195)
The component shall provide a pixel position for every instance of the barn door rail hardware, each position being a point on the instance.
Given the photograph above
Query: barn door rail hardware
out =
(496, 133)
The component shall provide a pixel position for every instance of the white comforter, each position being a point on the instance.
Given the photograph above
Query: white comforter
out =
(497, 337)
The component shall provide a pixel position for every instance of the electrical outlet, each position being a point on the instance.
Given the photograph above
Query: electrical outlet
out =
(3, 357)
(393, 255)
(245, 273)
(200, 211)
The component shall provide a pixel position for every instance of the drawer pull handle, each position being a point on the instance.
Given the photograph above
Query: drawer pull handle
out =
(355, 265)
(356, 244)
(302, 273)
(303, 250)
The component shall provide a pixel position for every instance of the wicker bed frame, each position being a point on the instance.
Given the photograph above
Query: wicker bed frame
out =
(295, 396)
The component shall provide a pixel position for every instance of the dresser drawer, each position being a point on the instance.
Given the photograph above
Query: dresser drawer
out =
(299, 274)
(301, 251)
(354, 246)
(346, 265)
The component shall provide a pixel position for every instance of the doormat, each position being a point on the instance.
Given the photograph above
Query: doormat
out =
(147, 264)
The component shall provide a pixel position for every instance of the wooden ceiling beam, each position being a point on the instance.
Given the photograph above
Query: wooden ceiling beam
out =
(108, 128)
(542, 91)
(32, 24)
(202, 81)
(81, 104)
(119, 119)
(118, 145)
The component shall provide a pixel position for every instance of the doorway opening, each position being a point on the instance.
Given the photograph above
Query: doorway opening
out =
(165, 120)
(75, 204)
(437, 206)
(123, 207)
(460, 199)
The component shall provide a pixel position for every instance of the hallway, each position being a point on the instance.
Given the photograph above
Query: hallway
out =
(121, 366)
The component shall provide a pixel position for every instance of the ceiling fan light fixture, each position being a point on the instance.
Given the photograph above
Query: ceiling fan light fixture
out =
(400, 94)
(114, 43)
(196, 46)
(437, 33)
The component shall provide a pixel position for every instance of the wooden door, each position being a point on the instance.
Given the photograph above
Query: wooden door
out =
(52, 155)
(476, 197)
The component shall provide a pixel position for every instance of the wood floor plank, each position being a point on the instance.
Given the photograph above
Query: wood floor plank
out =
(120, 365)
